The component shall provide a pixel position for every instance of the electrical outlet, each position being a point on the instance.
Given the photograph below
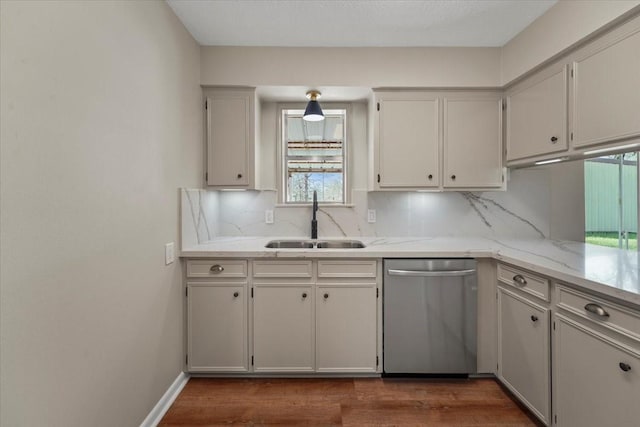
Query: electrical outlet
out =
(268, 216)
(169, 253)
(371, 216)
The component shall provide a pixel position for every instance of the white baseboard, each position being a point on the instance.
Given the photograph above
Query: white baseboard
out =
(165, 402)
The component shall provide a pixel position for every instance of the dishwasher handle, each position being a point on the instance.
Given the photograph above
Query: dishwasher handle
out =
(434, 273)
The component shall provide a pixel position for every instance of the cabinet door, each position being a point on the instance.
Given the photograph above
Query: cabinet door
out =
(283, 328)
(473, 142)
(229, 134)
(523, 351)
(217, 328)
(597, 380)
(537, 115)
(408, 140)
(346, 328)
(606, 90)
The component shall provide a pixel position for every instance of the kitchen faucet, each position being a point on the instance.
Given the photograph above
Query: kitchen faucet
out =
(314, 222)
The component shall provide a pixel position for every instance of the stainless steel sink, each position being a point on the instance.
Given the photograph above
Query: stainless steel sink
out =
(340, 244)
(290, 244)
(309, 244)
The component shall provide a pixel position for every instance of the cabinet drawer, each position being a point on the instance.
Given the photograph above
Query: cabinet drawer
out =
(212, 268)
(282, 269)
(331, 269)
(610, 315)
(525, 281)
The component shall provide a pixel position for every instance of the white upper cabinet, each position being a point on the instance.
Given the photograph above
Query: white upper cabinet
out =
(537, 115)
(231, 138)
(606, 88)
(408, 140)
(418, 135)
(473, 142)
(588, 99)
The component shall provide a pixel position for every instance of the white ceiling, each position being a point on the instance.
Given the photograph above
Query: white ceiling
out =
(354, 23)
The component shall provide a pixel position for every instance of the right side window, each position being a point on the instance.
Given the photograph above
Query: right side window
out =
(611, 200)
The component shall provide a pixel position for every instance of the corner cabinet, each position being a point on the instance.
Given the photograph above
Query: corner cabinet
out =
(437, 140)
(524, 339)
(537, 115)
(586, 100)
(231, 118)
(606, 89)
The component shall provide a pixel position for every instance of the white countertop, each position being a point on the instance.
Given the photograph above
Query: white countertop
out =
(609, 271)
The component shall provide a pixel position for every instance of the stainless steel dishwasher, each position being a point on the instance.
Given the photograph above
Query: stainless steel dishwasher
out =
(430, 308)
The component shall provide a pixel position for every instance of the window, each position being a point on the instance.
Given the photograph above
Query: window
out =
(314, 157)
(611, 200)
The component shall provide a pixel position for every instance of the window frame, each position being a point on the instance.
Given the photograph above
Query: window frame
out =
(281, 168)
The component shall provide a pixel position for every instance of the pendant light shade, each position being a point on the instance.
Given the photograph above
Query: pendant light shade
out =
(313, 112)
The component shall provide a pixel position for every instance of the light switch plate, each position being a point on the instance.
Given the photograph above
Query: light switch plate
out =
(268, 216)
(371, 216)
(169, 253)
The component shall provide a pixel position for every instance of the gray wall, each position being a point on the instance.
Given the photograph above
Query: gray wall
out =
(101, 124)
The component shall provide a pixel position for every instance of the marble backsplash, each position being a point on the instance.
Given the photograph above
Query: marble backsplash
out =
(522, 211)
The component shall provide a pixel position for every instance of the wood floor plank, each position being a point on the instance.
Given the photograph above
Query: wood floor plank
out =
(349, 402)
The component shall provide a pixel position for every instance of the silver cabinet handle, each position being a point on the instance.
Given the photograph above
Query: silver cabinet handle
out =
(439, 273)
(624, 366)
(216, 268)
(596, 309)
(520, 280)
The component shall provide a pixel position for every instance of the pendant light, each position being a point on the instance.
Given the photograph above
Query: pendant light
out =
(313, 112)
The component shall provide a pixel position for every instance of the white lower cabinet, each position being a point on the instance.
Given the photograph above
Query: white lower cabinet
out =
(596, 377)
(217, 327)
(346, 328)
(523, 350)
(283, 328)
(315, 316)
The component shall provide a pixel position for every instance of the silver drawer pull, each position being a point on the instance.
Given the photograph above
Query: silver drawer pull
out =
(596, 309)
(216, 268)
(520, 280)
(437, 273)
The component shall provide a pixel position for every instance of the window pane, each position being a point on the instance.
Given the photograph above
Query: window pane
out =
(611, 201)
(314, 157)
(329, 186)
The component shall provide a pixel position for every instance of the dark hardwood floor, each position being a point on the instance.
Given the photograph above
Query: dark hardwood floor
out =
(348, 402)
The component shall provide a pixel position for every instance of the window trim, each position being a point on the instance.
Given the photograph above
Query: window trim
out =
(280, 153)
